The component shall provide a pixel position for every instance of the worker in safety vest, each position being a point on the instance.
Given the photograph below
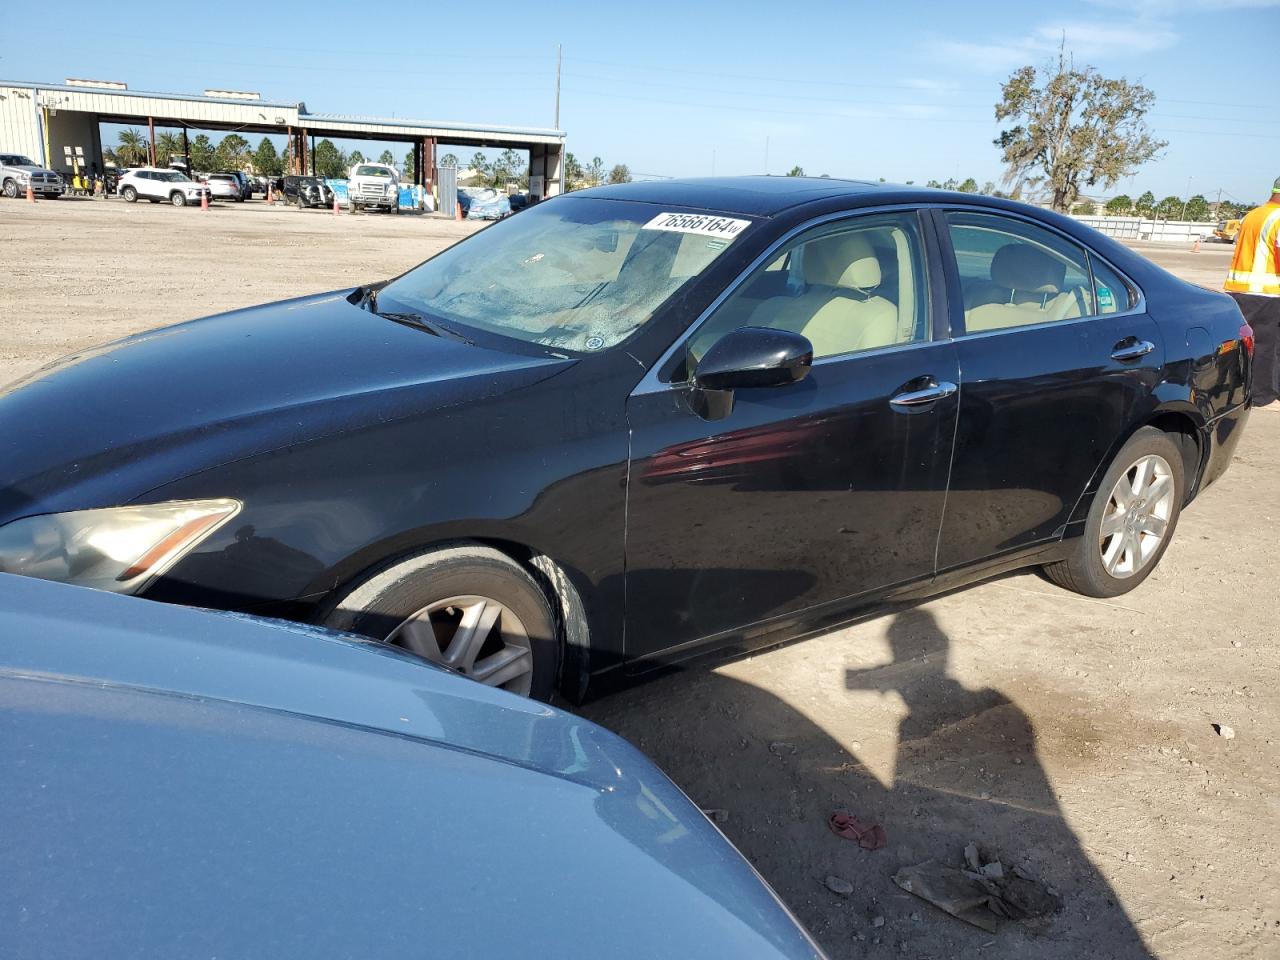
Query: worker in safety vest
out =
(1254, 281)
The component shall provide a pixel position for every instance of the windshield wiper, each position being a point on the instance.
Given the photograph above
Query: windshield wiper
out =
(433, 327)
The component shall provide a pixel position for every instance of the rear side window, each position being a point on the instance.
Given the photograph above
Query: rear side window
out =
(1110, 289)
(1015, 274)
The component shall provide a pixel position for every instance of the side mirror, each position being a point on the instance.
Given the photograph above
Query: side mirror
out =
(755, 357)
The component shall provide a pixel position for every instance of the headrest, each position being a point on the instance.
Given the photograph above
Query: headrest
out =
(1019, 266)
(845, 260)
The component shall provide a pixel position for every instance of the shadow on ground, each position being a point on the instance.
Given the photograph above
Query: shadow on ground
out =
(966, 769)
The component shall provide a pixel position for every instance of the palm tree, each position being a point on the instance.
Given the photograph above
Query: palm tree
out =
(132, 151)
(168, 145)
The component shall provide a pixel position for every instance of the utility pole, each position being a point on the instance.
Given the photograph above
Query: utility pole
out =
(1186, 201)
(1217, 204)
(559, 58)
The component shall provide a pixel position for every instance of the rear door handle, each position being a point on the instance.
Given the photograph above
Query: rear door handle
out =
(1132, 349)
(913, 400)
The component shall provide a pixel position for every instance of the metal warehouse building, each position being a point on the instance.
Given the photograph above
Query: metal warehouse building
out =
(58, 124)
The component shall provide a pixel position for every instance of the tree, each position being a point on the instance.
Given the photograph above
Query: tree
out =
(1120, 206)
(572, 171)
(355, 157)
(168, 145)
(1170, 208)
(796, 171)
(934, 184)
(132, 150)
(620, 173)
(969, 186)
(989, 189)
(329, 161)
(1198, 209)
(950, 183)
(480, 165)
(595, 171)
(387, 159)
(449, 160)
(506, 167)
(266, 162)
(201, 153)
(410, 166)
(232, 152)
(1073, 129)
(1145, 205)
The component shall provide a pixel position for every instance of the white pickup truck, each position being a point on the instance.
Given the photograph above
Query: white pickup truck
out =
(374, 186)
(17, 172)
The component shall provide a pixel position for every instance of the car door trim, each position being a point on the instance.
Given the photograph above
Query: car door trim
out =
(934, 266)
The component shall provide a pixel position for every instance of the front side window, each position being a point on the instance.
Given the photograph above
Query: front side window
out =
(577, 273)
(14, 160)
(848, 287)
(1015, 274)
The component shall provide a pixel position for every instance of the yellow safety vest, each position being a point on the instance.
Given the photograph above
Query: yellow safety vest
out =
(1256, 265)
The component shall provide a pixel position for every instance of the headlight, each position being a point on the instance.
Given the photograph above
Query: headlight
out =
(120, 549)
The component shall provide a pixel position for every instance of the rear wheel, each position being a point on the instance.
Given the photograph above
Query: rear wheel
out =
(467, 607)
(1131, 521)
(130, 195)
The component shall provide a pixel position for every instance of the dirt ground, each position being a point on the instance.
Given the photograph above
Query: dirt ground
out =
(1073, 738)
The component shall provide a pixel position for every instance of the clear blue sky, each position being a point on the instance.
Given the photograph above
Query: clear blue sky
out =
(902, 91)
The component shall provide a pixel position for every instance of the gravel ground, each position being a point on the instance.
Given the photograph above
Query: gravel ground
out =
(1073, 738)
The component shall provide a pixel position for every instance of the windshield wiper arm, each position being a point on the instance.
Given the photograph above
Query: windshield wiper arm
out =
(422, 323)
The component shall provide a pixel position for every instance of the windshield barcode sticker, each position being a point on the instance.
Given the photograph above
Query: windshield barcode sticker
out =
(706, 224)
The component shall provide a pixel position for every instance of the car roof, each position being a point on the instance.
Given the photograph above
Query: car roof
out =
(759, 196)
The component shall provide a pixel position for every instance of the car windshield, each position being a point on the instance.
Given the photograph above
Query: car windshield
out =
(579, 274)
(15, 160)
(171, 176)
(372, 172)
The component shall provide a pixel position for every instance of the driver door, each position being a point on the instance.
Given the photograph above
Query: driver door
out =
(806, 494)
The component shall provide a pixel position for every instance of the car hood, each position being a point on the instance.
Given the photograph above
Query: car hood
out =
(105, 425)
(32, 168)
(324, 790)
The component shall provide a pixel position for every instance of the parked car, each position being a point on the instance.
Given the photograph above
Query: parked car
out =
(309, 785)
(374, 186)
(160, 185)
(642, 421)
(306, 191)
(483, 203)
(18, 172)
(518, 201)
(224, 186)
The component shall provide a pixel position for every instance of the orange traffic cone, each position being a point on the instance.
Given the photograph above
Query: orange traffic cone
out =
(1196, 248)
(204, 199)
(457, 213)
(336, 209)
(31, 194)
(271, 200)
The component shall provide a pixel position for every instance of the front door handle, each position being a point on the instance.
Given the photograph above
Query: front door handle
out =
(1132, 349)
(913, 400)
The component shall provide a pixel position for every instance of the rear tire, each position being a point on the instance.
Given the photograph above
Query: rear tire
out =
(424, 603)
(130, 195)
(1148, 473)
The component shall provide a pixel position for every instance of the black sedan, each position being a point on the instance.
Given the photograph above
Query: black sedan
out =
(638, 422)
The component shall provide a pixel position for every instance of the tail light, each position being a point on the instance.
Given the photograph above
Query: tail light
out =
(1246, 337)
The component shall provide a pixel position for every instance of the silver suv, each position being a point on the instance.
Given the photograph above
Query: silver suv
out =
(17, 172)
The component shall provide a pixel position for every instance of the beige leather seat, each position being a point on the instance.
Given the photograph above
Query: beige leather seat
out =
(1027, 287)
(838, 311)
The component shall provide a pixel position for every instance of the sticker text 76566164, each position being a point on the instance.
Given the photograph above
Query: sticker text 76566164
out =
(707, 224)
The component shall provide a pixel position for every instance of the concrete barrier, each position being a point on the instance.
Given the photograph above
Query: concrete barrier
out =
(1160, 231)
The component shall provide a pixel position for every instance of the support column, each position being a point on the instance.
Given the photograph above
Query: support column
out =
(151, 141)
(429, 162)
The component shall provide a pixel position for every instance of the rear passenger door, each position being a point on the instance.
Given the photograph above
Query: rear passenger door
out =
(1057, 357)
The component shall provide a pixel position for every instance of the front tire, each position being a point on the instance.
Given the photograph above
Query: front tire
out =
(178, 200)
(130, 195)
(467, 607)
(1131, 520)
(11, 189)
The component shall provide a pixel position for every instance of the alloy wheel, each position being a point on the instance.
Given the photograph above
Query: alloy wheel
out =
(477, 637)
(1137, 516)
